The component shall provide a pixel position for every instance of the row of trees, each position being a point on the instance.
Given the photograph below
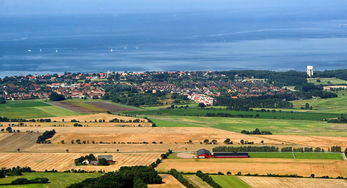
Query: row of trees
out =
(136, 176)
(273, 149)
(257, 132)
(207, 179)
(246, 149)
(180, 178)
(46, 135)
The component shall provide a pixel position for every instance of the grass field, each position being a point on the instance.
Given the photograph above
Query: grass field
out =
(332, 105)
(32, 109)
(56, 180)
(262, 115)
(84, 105)
(229, 181)
(296, 155)
(327, 81)
(286, 127)
(196, 181)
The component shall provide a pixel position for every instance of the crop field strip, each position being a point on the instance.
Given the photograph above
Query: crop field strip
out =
(262, 115)
(304, 167)
(65, 161)
(266, 182)
(31, 109)
(278, 127)
(196, 181)
(169, 182)
(229, 181)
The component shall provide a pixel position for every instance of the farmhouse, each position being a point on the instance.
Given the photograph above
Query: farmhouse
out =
(203, 153)
(108, 158)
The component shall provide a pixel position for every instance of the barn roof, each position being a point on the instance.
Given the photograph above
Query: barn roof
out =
(203, 151)
(107, 157)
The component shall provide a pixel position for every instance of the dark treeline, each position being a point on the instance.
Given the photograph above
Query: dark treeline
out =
(253, 102)
(230, 115)
(305, 149)
(56, 97)
(273, 149)
(24, 181)
(257, 131)
(207, 179)
(2, 100)
(15, 171)
(246, 149)
(129, 95)
(46, 135)
(341, 74)
(341, 119)
(137, 176)
(180, 178)
(292, 78)
(5, 119)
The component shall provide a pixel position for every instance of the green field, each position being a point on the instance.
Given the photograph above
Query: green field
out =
(283, 127)
(56, 180)
(296, 155)
(327, 81)
(332, 105)
(32, 109)
(262, 115)
(229, 181)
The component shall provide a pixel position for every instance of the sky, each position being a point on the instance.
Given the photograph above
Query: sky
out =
(34, 7)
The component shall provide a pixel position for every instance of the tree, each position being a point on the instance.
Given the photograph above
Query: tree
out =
(2, 100)
(202, 105)
(56, 97)
(9, 129)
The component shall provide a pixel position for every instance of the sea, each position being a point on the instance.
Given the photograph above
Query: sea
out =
(184, 41)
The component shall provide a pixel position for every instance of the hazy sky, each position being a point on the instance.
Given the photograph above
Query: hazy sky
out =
(20, 7)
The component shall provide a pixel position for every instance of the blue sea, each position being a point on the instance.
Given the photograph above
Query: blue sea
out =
(214, 40)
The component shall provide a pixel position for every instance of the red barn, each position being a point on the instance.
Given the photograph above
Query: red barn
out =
(203, 153)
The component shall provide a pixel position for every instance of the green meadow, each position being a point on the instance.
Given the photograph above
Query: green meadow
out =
(26, 109)
(262, 115)
(297, 155)
(283, 127)
(327, 81)
(56, 180)
(229, 181)
(333, 105)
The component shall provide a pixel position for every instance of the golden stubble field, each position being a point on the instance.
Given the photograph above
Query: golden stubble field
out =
(90, 120)
(266, 182)
(65, 161)
(304, 167)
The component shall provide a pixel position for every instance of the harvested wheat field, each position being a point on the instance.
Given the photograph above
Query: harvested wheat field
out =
(266, 182)
(65, 161)
(14, 141)
(72, 124)
(146, 134)
(313, 141)
(303, 167)
(169, 182)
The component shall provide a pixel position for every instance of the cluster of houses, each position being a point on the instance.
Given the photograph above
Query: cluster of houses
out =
(201, 87)
(200, 98)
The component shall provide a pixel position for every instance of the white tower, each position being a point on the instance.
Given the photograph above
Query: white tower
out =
(309, 71)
